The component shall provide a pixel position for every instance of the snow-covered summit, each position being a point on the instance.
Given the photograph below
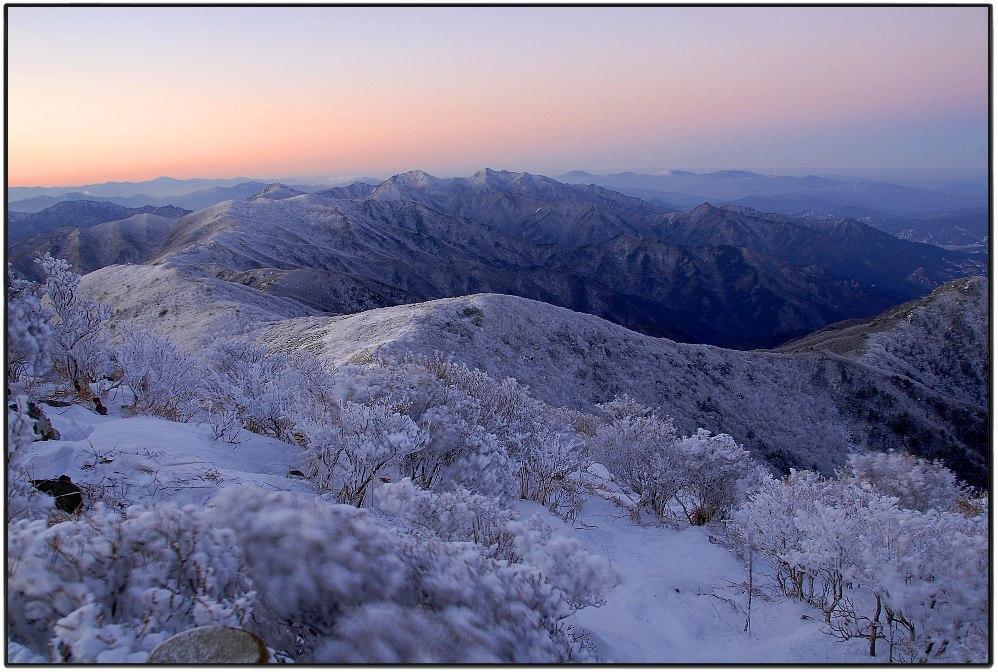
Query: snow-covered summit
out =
(276, 191)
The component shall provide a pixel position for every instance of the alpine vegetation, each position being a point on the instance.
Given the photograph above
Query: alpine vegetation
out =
(408, 507)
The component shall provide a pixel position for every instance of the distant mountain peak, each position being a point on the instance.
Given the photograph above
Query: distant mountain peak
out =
(704, 208)
(413, 178)
(274, 192)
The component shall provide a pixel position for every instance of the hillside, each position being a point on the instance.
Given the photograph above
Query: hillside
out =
(126, 241)
(809, 408)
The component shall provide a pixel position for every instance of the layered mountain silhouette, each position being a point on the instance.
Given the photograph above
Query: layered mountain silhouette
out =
(81, 214)
(727, 276)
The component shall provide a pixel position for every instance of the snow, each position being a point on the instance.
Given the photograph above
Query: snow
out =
(145, 458)
(674, 601)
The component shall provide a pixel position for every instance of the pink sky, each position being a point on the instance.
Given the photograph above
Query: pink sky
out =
(128, 93)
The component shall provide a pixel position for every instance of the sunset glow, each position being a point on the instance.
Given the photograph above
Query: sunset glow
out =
(131, 93)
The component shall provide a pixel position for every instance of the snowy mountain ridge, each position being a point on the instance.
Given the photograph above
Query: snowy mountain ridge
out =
(576, 360)
(727, 276)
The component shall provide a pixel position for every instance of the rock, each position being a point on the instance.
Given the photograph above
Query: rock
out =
(43, 426)
(68, 496)
(211, 644)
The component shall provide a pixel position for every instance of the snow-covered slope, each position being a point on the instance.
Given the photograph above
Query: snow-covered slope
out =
(940, 341)
(193, 309)
(677, 596)
(806, 409)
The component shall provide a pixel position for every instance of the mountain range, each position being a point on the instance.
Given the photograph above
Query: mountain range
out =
(914, 210)
(728, 276)
(884, 205)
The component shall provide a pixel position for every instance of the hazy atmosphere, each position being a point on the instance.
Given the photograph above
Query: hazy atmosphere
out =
(131, 93)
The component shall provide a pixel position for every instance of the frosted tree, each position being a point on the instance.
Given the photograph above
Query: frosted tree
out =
(163, 380)
(78, 343)
(109, 586)
(714, 474)
(916, 482)
(915, 579)
(28, 331)
(341, 589)
(271, 394)
(364, 442)
(768, 520)
(637, 446)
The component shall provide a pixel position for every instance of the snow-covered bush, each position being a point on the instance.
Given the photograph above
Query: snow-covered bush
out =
(368, 441)
(78, 343)
(23, 500)
(714, 475)
(108, 587)
(335, 587)
(459, 452)
(28, 332)
(547, 469)
(582, 576)
(927, 572)
(916, 579)
(483, 431)
(456, 606)
(916, 482)
(271, 394)
(637, 447)
(701, 475)
(164, 381)
(459, 515)
(768, 519)
(464, 516)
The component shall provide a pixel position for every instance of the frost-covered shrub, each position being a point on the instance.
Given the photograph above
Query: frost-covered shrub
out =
(702, 475)
(916, 482)
(164, 381)
(364, 442)
(714, 475)
(482, 433)
(78, 343)
(637, 447)
(459, 452)
(271, 394)
(547, 468)
(459, 515)
(109, 587)
(767, 521)
(457, 607)
(464, 516)
(335, 587)
(23, 500)
(28, 332)
(915, 579)
(582, 576)
(936, 589)
(311, 562)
